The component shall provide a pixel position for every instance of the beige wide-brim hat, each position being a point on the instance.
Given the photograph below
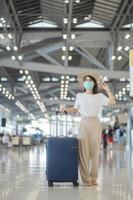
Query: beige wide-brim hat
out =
(82, 75)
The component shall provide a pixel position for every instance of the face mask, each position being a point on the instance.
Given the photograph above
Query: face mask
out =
(88, 85)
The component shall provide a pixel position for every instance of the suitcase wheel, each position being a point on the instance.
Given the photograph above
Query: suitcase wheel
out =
(75, 183)
(50, 183)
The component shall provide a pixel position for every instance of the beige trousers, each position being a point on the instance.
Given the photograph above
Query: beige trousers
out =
(89, 147)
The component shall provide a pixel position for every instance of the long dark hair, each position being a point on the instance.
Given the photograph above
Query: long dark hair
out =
(95, 88)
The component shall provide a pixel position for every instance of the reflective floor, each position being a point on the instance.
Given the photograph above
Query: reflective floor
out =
(22, 176)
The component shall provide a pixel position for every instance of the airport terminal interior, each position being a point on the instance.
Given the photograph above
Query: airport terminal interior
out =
(44, 46)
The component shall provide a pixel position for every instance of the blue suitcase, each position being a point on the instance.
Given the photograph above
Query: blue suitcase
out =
(62, 159)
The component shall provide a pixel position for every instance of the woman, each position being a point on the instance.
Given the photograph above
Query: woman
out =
(89, 104)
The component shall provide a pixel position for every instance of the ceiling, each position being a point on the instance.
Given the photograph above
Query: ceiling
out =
(31, 38)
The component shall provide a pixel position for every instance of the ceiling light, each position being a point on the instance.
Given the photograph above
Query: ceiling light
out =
(65, 20)
(67, 82)
(113, 57)
(13, 58)
(29, 86)
(119, 58)
(66, 1)
(1, 36)
(73, 36)
(71, 48)
(119, 48)
(24, 77)
(62, 77)
(31, 82)
(20, 57)
(64, 36)
(27, 82)
(127, 36)
(75, 20)
(67, 77)
(8, 48)
(122, 79)
(69, 57)
(63, 57)
(87, 18)
(21, 71)
(77, 1)
(26, 72)
(63, 48)
(127, 48)
(15, 48)
(105, 78)
(10, 36)
(29, 77)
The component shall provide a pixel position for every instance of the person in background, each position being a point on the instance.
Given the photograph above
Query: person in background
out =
(110, 136)
(89, 103)
(105, 139)
(5, 139)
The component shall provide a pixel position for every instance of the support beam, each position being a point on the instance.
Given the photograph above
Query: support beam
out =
(110, 54)
(48, 57)
(117, 19)
(68, 32)
(4, 73)
(90, 57)
(58, 69)
(130, 6)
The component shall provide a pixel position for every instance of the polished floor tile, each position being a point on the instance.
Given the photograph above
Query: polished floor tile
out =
(22, 176)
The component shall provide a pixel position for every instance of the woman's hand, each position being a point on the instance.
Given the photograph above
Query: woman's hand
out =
(105, 87)
(62, 108)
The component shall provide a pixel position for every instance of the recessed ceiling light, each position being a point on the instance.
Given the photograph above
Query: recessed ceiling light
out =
(63, 57)
(119, 58)
(113, 57)
(63, 48)
(64, 36)
(71, 48)
(127, 36)
(8, 48)
(13, 58)
(65, 20)
(69, 57)
(119, 48)
(73, 36)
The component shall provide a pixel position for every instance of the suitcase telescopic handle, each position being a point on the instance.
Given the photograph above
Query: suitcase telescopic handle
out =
(57, 113)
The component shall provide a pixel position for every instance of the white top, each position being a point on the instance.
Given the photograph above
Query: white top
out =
(89, 105)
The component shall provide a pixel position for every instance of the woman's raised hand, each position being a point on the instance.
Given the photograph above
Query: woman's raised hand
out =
(62, 108)
(105, 87)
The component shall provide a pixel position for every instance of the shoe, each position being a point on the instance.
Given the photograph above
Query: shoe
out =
(94, 183)
(88, 183)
